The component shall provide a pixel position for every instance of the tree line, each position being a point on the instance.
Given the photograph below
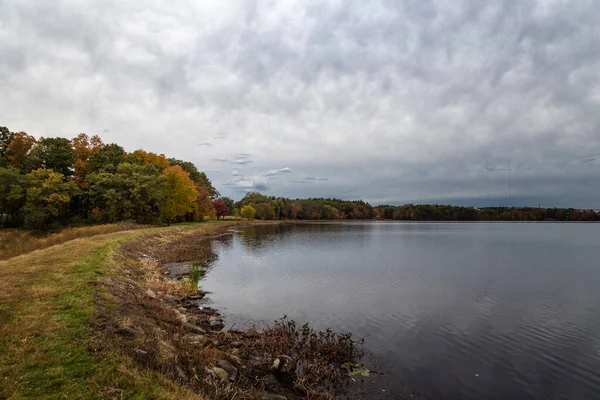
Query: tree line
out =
(427, 212)
(55, 181)
(259, 206)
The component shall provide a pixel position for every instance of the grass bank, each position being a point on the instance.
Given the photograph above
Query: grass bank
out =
(47, 307)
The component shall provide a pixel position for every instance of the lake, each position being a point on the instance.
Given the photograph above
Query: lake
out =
(449, 310)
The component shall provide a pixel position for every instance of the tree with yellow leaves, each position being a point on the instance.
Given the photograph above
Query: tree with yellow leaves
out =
(143, 157)
(179, 193)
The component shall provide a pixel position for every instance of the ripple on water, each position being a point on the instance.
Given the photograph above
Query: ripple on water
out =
(469, 311)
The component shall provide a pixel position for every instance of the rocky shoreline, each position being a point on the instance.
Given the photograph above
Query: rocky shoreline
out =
(164, 326)
(205, 326)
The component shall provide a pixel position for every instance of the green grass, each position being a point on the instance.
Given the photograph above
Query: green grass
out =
(194, 275)
(47, 306)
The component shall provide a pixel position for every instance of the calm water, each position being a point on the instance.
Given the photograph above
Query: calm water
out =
(454, 310)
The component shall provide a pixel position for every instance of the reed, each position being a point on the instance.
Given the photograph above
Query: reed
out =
(194, 274)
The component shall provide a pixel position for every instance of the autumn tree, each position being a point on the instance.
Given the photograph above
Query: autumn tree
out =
(376, 214)
(203, 206)
(84, 147)
(229, 203)
(47, 198)
(264, 211)
(293, 210)
(179, 193)
(220, 208)
(145, 157)
(196, 175)
(18, 150)
(278, 205)
(248, 212)
(330, 212)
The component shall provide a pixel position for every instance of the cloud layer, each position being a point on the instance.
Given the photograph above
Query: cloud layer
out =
(390, 101)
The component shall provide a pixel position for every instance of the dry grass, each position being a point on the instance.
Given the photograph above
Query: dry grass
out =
(14, 242)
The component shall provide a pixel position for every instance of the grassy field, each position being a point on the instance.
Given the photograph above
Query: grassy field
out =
(47, 305)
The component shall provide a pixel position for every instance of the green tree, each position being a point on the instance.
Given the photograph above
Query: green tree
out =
(179, 193)
(12, 195)
(47, 199)
(107, 158)
(52, 153)
(248, 212)
(252, 198)
(6, 137)
(131, 192)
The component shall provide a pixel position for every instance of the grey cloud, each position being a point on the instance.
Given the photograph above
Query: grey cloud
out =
(241, 161)
(393, 101)
(251, 183)
(274, 172)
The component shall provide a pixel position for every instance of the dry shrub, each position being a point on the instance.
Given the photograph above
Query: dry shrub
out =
(320, 355)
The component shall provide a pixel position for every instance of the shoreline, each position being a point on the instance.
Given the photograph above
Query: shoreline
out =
(278, 362)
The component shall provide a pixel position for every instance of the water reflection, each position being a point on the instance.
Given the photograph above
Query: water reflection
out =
(465, 310)
(259, 238)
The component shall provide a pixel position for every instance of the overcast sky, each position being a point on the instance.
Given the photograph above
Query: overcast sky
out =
(389, 101)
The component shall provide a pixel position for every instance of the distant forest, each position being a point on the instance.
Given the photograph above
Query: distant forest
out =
(325, 209)
(52, 182)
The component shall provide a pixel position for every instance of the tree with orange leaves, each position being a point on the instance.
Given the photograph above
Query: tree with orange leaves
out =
(18, 149)
(202, 207)
(84, 147)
